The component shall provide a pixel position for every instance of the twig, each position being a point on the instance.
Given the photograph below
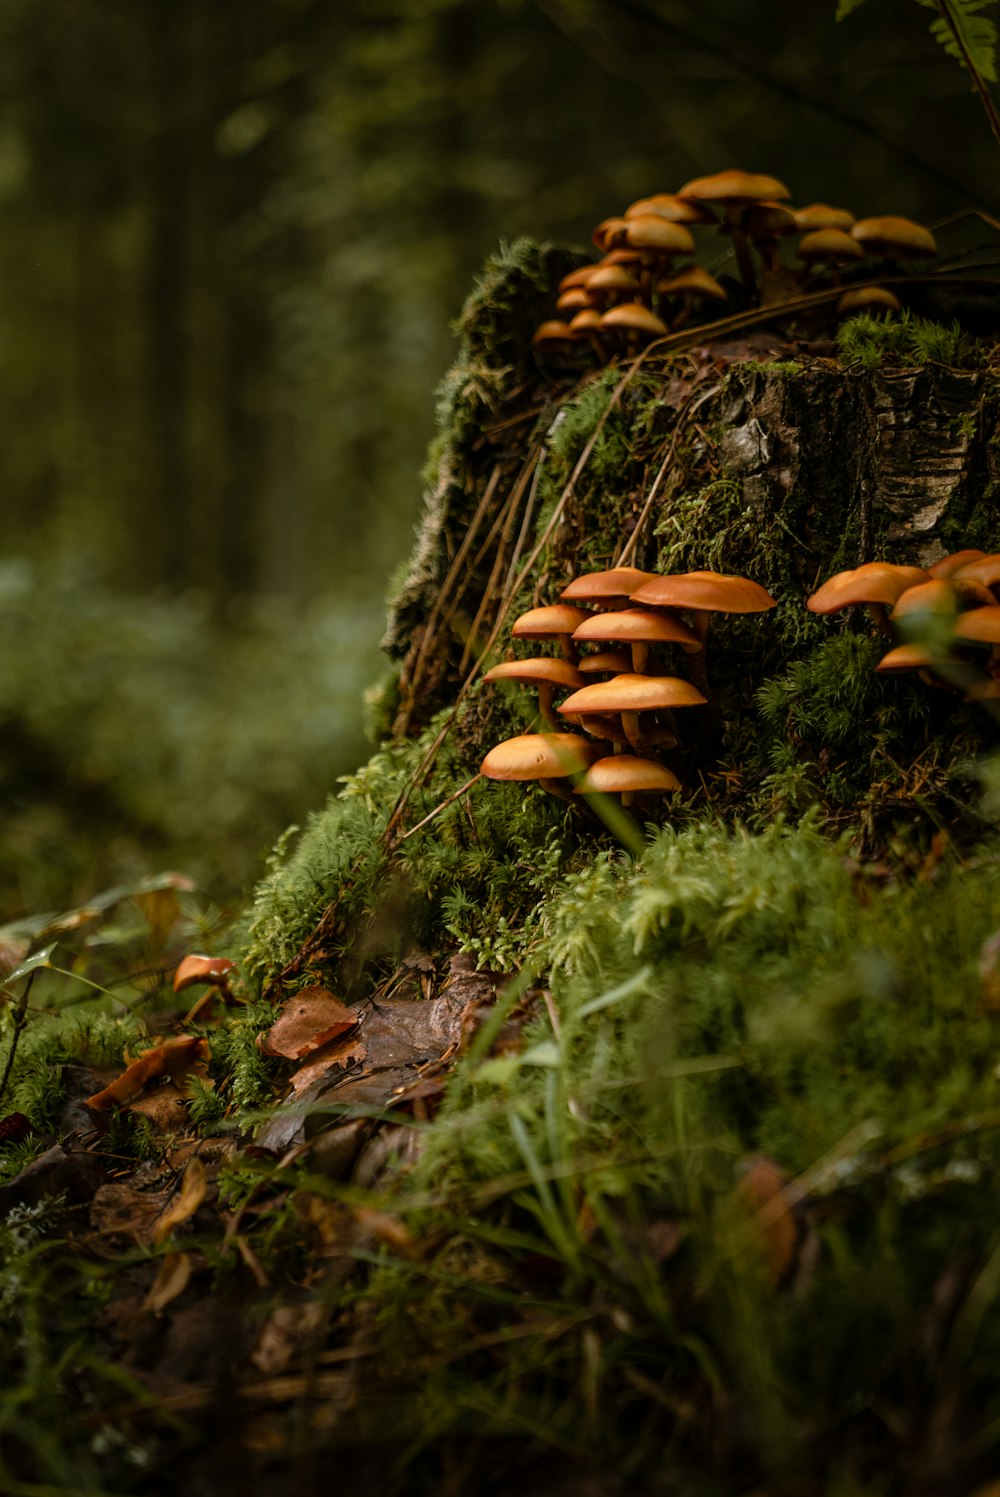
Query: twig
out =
(442, 807)
(20, 1023)
(628, 550)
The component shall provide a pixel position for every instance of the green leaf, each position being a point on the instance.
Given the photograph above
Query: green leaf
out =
(845, 7)
(978, 33)
(40, 959)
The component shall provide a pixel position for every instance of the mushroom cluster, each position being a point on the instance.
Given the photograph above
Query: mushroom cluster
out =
(639, 291)
(940, 618)
(615, 630)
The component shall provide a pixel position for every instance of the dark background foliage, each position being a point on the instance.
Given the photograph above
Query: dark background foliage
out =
(232, 239)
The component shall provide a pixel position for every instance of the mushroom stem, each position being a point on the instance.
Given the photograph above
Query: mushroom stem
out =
(880, 618)
(545, 709)
(630, 724)
(744, 259)
(569, 649)
(640, 656)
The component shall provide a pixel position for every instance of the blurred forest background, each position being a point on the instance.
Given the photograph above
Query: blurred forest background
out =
(232, 239)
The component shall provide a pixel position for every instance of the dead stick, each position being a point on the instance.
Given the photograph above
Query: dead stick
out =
(20, 1023)
(442, 807)
(389, 835)
(510, 510)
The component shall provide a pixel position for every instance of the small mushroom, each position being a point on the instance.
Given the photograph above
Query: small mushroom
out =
(735, 192)
(631, 695)
(636, 322)
(704, 593)
(868, 299)
(828, 247)
(606, 662)
(626, 775)
(544, 757)
(876, 584)
(546, 674)
(675, 209)
(954, 561)
(892, 237)
(195, 971)
(553, 621)
(609, 589)
(821, 216)
(638, 628)
(693, 285)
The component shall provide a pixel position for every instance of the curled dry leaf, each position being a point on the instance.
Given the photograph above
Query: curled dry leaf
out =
(308, 1021)
(767, 1192)
(172, 1279)
(173, 1058)
(186, 1201)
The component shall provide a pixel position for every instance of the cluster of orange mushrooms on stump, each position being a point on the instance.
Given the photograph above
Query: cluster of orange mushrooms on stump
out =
(638, 292)
(621, 695)
(941, 617)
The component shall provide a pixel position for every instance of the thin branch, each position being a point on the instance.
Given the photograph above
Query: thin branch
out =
(20, 1023)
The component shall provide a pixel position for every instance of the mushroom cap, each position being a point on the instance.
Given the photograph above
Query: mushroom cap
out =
(711, 592)
(623, 256)
(986, 690)
(641, 625)
(611, 278)
(607, 662)
(671, 207)
(769, 221)
(542, 668)
(894, 238)
(875, 582)
(828, 244)
(914, 657)
(610, 232)
(693, 281)
(868, 297)
(625, 773)
(598, 587)
(739, 189)
(945, 566)
(984, 569)
(979, 625)
(630, 693)
(586, 321)
(655, 233)
(538, 756)
(196, 969)
(937, 599)
(553, 331)
(578, 277)
(549, 622)
(822, 216)
(574, 298)
(635, 318)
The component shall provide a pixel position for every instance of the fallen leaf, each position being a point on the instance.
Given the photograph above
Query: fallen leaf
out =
(765, 1190)
(387, 1229)
(307, 1022)
(172, 1279)
(174, 1058)
(186, 1201)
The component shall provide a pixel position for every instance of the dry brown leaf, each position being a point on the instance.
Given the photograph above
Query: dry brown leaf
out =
(172, 1279)
(174, 1058)
(350, 1051)
(765, 1190)
(185, 1203)
(307, 1022)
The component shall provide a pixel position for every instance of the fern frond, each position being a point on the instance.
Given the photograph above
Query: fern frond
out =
(966, 34)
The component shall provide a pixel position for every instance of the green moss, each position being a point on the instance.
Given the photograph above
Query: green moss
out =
(865, 340)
